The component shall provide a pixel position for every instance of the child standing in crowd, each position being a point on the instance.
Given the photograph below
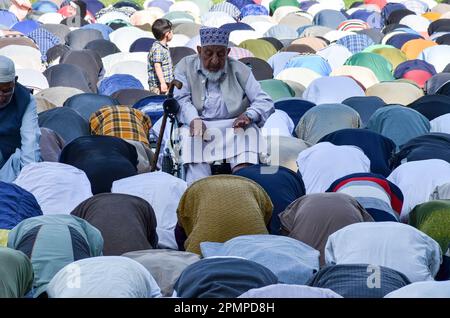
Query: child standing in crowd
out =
(160, 68)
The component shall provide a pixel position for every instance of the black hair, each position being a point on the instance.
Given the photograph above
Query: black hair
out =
(82, 6)
(160, 27)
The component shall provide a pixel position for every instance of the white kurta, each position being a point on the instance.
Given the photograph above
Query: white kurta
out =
(163, 192)
(418, 180)
(422, 290)
(290, 291)
(390, 244)
(57, 187)
(103, 277)
(324, 163)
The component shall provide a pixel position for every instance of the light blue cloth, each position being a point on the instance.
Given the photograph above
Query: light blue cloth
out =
(278, 61)
(7, 18)
(29, 152)
(292, 261)
(281, 31)
(331, 90)
(399, 123)
(214, 106)
(313, 62)
(329, 18)
(52, 242)
(114, 83)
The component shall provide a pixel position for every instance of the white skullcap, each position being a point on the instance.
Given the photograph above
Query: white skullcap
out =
(7, 70)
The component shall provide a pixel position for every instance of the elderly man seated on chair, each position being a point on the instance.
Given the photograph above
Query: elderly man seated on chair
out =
(219, 92)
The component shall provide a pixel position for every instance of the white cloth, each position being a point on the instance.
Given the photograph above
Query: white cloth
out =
(416, 23)
(111, 16)
(239, 36)
(279, 123)
(124, 37)
(194, 42)
(57, 187)
(335, 55)
(255, 18)
(300, 75)
(390, 244)
(103, 277)
(51, 18)
(186, 6)
(220, 141)
(437, 56)
(163, 192)
(261, 27)
(335, 35)
(422, 290)
(109, 60)
(134, 68)
(441, 124)
(289, 291)
(55, 96)
(32, 79)
(441, 192)
(216, 19)
(179, 40)
(419, 7)
(417, 180)
(431, 3)
(324, 163)
(330, 90)
(24, 57)
(283, 11)
(357, 190)
(333, 4)
(362, 74)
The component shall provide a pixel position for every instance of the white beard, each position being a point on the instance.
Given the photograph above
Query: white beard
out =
(213, 76)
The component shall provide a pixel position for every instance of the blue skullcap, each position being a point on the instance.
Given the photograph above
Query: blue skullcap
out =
(214, 36)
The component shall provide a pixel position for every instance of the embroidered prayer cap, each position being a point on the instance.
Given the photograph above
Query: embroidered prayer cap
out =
(214, 36)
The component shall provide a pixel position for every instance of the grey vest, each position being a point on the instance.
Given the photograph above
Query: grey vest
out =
(232, 86)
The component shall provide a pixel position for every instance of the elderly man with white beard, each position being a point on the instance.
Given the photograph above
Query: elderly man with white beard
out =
(218, 90)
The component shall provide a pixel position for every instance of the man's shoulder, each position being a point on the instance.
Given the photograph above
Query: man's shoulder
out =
(238, 65)
(239, 69)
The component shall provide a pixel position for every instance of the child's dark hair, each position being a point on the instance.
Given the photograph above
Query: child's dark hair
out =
(160, 27)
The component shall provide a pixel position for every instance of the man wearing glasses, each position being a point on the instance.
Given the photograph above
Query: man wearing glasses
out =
(19, 129)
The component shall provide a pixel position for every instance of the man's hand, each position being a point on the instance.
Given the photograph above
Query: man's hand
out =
(197, 127)
(163, 88)
(242, 122)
